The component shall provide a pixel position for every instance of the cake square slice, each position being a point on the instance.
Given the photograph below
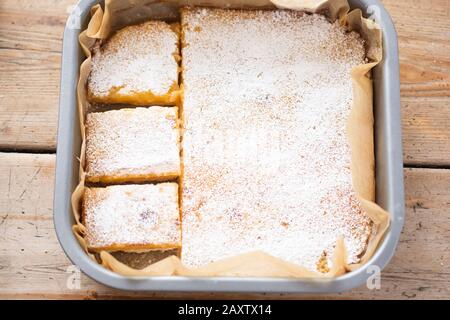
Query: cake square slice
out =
(132, 145)
(132, 217)
(138, 65)
(266, 161)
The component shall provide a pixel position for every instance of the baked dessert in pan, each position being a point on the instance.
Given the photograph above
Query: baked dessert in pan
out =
(138, 65)
(267, 95)
(132, 217)
(132, 145)
(265, 158)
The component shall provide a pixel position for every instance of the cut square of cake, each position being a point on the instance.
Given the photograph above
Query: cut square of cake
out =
(267, 95)
(132, 217)
(138, 65)
(132, 145)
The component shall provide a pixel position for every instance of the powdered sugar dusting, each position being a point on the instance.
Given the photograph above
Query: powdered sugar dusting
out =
(137, 141)
(266, 158)
(132, 215)
(136, 59)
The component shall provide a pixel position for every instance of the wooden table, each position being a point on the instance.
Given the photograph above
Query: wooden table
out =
(32, 263)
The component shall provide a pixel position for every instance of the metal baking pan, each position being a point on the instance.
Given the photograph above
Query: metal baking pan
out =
(389, 175)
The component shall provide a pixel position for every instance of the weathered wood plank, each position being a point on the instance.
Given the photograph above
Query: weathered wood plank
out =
(423, 29)
(30, 46)
(30, 57)
(33, 265)
(426, 131)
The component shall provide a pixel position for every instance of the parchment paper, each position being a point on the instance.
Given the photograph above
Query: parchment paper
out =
(119, 13)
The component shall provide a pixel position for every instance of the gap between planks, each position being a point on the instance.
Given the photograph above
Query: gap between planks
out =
(30, 63)
(33, 265)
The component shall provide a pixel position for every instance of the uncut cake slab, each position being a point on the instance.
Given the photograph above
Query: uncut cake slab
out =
(266, 161)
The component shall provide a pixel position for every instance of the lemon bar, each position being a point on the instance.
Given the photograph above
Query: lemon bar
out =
(132, 145)
(138, 66)
(132, 217)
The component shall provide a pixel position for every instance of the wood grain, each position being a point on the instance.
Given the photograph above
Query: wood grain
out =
(30, 58)
(33, 265)
(30, 48)
(423, 29)
(426, 131)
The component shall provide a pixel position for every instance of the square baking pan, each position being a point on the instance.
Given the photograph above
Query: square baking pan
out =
(389, 174)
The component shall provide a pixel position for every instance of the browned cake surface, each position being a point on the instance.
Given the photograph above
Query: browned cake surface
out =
(137, 65)
(266, 157)
(132, 217)
(139, 144)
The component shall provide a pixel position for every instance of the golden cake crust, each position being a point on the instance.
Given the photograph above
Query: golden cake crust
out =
(132, 145)
(132, 217)
(137, 65)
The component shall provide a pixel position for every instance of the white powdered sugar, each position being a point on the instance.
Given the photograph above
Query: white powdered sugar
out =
(266, 157)
(132, 142)
(138, 216)
(136, 59)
